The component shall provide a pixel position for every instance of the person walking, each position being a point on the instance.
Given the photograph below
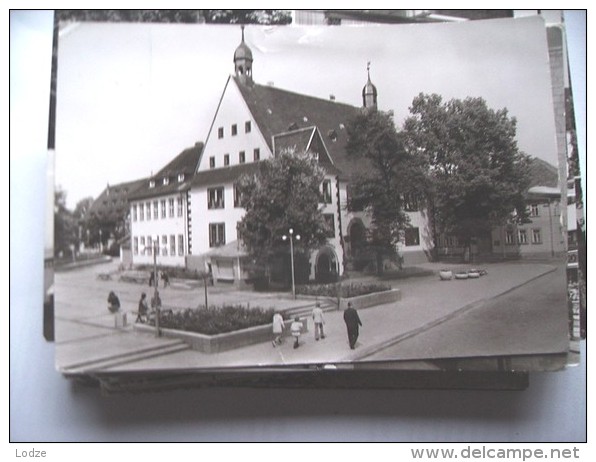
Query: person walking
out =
(165, 278)
(353, 322)
(319, 320)
(278, 328)
(113, 302)
(296, 329)
(143, 309)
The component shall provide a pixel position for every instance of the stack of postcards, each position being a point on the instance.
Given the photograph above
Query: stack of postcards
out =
(373, 204)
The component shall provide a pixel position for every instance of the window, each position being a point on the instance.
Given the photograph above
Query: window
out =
(217, 235)
(171, 207)
(536, 236)
(172, 244)
(211, 162)
(256, 154)
(152, 183)
(179, 206)
(166, 181)
(148, 210)
(329, 224)
(412, 236)
(180, 177)
(155, 210)
(164, 245)
(410, 203)
(143, 248)
(234, 130)
(220, 133)
(180, 244)
(135, 246)
(522, 236)
(242, 157)
(149, 248)
(534, 210)
(215, 198)
(238, 197)
(509, 239)
(163, 208)
(226, 160)
(134, 212)
(326, 192)
(354, 205)
(247, 126)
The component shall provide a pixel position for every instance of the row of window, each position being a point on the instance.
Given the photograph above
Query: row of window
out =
(256, 155)
(166, 180)
(234, 129)
(144, 246)
(522, 236)
(157, 209)
(215, 196)
(217, 231)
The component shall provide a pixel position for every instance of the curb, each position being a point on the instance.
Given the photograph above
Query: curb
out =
(431, 324)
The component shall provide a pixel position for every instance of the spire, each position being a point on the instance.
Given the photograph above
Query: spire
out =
(243, 62)
(369, 92)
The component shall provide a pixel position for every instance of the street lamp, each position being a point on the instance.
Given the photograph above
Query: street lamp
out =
(291, 237)
(155, 284)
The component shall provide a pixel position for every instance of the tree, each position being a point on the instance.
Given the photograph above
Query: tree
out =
(65, 226)
(477, 175)
(283, 194)
(389, 174)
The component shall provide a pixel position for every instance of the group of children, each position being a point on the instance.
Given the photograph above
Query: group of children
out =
(296, 327)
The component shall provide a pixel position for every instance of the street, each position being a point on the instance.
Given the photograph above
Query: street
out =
(518, 308)
(529, 319)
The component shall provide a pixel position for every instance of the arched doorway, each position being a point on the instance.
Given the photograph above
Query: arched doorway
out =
(326, 269)
(357, 237)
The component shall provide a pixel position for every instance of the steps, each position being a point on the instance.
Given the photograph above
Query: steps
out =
(306, 309)
(166, 348)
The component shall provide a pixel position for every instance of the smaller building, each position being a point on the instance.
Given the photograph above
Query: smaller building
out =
(160, 216)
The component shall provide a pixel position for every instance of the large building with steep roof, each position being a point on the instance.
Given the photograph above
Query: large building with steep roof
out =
(255, 122)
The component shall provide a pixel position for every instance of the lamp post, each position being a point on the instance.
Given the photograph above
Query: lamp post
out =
(291, 237)
(155, 284)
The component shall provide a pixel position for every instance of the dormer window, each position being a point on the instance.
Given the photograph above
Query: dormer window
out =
(166, 180)
(152, 183)
(180, 177)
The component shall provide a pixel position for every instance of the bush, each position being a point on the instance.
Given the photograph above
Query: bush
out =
(216, 320)
(345, 290)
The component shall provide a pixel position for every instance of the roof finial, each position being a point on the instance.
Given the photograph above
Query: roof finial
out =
(368, 69)
(242, 27)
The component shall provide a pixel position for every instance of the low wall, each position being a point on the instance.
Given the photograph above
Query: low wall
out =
(376, 298)
(223, 342)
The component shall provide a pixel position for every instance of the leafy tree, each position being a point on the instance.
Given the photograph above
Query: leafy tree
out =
(65, 227)
(283, 194)
(248, 16)
(477, 175)
(389, 174)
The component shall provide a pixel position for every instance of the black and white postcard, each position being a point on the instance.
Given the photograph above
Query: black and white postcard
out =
(236, 196)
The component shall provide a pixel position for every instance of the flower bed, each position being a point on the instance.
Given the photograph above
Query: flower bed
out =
(344, 290)
(216, 320)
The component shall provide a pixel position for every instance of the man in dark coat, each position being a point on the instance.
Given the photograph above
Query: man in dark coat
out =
(353, 322)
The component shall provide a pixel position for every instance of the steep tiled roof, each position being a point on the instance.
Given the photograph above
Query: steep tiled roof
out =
(183, 164)
(112, 203)
(223, 175)
(278, 111)
(543, 174)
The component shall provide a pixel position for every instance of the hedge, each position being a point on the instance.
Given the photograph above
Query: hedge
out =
(346, 290)
(216, 319)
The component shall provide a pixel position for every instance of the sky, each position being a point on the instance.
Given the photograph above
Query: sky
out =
(132, 96)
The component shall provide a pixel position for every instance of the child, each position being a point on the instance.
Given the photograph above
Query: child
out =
(296, 329)
(278, 328)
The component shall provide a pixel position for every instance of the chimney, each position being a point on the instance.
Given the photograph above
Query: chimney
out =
(332, 97)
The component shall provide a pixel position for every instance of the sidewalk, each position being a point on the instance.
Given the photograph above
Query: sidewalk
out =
(426, 301)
